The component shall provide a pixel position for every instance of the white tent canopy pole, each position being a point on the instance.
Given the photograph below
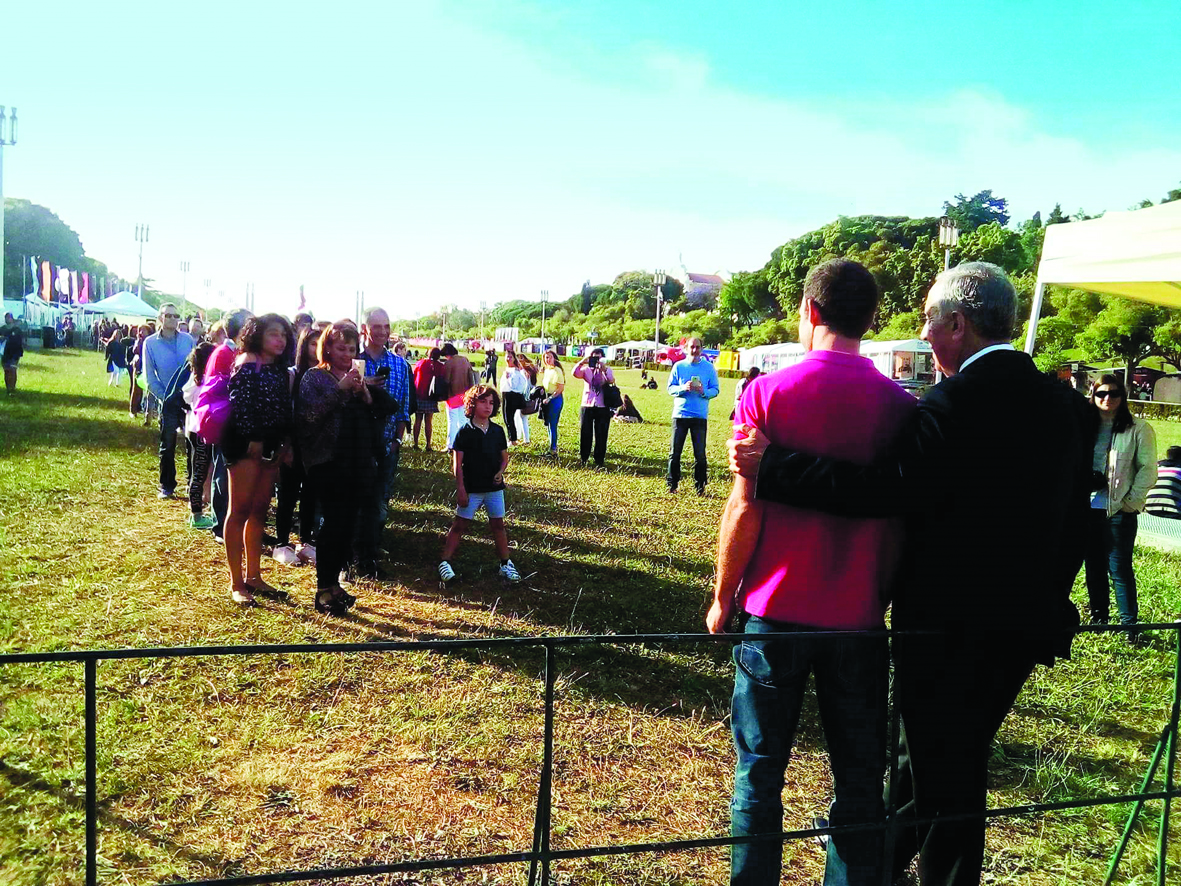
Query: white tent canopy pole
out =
(1134, 254)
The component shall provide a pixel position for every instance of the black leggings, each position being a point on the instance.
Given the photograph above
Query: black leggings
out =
(340, 503)
(200, 457)
(295, 486)
(513, 403)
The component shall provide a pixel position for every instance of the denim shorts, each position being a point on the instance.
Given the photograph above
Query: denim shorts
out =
(493, 502)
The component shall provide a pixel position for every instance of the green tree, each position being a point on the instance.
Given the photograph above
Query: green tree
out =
(901, 327)
(970, 213)
(1123, 330)
(748, 298)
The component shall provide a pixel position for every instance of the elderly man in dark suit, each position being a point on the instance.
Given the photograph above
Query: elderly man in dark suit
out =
(992, 475)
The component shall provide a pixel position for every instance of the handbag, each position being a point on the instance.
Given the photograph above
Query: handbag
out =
(612, 399)
(439, 390)
(211, 408)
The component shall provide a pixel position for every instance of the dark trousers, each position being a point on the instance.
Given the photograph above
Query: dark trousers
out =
(695, 428)
(952, 692)
(171, 419)
(220, 491)
(513, 403)
(375, 507)
(340, 503)
(595, 422)
(1110, 542)
(770, 681)
(200, 457)
(295, 487)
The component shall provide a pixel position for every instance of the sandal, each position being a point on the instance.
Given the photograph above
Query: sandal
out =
(260, 587)
(245, 600)
(343, 596)
(328, 603)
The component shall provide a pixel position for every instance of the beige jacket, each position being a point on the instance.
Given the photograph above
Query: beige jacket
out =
(1131, 468)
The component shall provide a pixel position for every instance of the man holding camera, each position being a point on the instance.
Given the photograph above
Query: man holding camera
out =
(693, 382)
(387, 369)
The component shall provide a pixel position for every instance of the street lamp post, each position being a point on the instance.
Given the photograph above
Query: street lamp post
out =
(658, 281)
(544, 301)
(208, 283)
(141, 237)
(949, 236)
(184, 289)
(483, 308)
(7, 139)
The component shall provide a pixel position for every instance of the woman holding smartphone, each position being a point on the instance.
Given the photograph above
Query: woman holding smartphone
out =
(595, 416)
(254, 441)
(338, 422)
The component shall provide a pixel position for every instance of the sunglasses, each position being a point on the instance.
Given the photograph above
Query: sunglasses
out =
(1103, 395)
(172, 316)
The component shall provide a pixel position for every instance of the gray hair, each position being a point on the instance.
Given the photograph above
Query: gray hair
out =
(983, 293)
(369, 312)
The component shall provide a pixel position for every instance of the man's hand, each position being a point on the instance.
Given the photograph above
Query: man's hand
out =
(718, 617)
(745, 454)
(461, 498)
(498, 478)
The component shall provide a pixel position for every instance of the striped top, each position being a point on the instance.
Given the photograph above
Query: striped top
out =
(1164, 499)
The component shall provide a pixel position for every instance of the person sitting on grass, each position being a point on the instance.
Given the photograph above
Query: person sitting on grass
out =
(480, 458)
(627, 412)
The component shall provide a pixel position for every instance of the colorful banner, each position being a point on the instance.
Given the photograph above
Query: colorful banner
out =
(61, 285)
(46, 281)
(84, 295)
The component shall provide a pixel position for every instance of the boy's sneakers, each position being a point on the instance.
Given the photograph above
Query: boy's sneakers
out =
(200, 521)
(507, 571)
(285, 555)
(446, 573)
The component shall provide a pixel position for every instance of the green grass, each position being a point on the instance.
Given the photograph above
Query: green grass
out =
(216, 766)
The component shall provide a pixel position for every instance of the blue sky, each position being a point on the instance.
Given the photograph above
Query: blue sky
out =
(452, 152)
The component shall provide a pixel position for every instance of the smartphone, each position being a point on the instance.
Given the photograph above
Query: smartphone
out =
(359, 366)
(383, 372)
(593, 361)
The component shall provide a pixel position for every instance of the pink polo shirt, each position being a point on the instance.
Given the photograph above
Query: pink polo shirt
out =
(812, 568)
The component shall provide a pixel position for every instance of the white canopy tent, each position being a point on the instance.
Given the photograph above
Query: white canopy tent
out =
(1136, 254)
(124, 304)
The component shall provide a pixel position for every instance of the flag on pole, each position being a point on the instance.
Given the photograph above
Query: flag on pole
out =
(34, 268)
(84, 295)
(46, 281)
(73, 287)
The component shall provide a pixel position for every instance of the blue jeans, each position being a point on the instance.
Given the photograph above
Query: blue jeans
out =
(171, 419)
(770, 678)
(553, 413)
(695, 428)
(1109, 550)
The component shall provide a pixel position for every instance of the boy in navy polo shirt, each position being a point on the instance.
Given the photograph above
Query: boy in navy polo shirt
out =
(480, 457)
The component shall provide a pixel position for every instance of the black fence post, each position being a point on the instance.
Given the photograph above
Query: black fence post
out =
(543, 818)
(91, 667)
(1170, 763)
(891, 823)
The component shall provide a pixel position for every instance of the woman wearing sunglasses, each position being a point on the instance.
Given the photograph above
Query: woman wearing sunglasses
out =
(1124, 470)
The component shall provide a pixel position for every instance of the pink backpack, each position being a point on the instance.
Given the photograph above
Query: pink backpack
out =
(211, 408)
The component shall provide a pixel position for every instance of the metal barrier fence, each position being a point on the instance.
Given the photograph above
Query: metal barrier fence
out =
(542, 855)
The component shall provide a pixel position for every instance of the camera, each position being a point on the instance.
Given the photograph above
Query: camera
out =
(593, 361)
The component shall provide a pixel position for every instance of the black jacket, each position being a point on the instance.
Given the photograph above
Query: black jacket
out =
(992, 475)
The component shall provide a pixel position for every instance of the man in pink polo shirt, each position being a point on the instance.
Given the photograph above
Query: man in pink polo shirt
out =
(788, 569)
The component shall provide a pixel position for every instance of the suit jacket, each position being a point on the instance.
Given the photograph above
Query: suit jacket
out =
(992, 474)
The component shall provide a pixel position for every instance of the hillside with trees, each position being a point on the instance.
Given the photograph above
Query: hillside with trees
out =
(759, 307)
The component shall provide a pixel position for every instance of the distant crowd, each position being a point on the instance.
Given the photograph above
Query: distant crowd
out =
(315, 414)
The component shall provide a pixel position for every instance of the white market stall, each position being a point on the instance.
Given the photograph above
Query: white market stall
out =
(625, 350)
(905, 360)
(1136, 254)
(124, 306)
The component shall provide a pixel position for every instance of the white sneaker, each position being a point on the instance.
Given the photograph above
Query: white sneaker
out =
(509, 572)
(446, 573)
(285, 555)
(307, 554)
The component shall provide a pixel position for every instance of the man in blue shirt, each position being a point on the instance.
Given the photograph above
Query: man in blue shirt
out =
(380, 362)
(693, 382)
(164, 353)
